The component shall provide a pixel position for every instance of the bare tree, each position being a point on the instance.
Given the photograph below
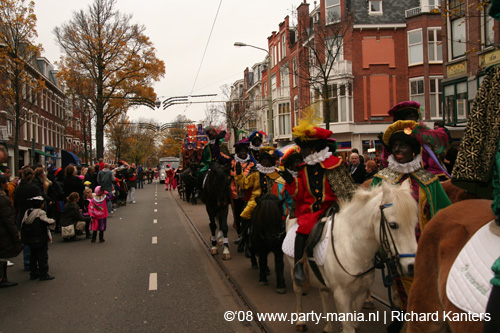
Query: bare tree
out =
(319, 60)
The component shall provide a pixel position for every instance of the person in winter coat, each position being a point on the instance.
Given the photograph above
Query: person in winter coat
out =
(98, 210)
(72, 213)
(25, 190)
(35, 234)
(131, 182)
(72, 183)
(10, 244)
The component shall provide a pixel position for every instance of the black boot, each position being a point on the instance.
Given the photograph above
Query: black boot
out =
(5, 282)
(94, 236)
(101, 236)
(298, 271)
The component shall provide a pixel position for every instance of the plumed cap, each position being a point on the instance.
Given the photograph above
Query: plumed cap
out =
(406, 105)
(290, 151)
(270, 152)
(436, 139)
(307, 128)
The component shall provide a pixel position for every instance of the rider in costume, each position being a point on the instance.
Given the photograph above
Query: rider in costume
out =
(404, 140)
(409, 110)
(240, 197)
(291, 161)
(321, 182)
(263, 179)
(256, 142)
(213, 151)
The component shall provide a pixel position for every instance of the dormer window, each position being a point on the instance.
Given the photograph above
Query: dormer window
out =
(375, 7)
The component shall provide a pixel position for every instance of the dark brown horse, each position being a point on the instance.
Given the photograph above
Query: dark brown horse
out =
(267, 235)
(216, 196)
(442, 240)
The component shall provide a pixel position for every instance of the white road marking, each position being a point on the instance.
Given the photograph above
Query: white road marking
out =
(155, 240)
(153, 281)
(155, 221)
(156, 203)
(156, 210)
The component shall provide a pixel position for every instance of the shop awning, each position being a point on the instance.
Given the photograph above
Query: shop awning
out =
(70, 158)
(44, 154)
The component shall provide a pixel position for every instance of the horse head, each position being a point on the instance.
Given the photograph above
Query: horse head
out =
(397, 219)
(216, 188)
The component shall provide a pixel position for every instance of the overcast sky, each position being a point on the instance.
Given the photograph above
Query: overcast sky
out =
(179, 31)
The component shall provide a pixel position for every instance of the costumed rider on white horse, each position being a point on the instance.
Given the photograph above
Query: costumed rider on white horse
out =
(321, 182)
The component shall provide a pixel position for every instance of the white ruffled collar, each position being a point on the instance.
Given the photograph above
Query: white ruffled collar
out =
(409, 167)
(240, 160)
(255, 147)
(211, 142)
(100, 198)
(318, 157)
(295, 174)
(266, 170)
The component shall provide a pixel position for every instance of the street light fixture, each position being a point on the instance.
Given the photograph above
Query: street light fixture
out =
(270, 125)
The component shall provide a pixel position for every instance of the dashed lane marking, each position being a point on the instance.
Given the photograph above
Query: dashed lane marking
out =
(154, 240)
(153, 281)
(156, 210)
(155, 221)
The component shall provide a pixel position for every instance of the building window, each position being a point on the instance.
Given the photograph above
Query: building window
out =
(417, 90)
(284, 78)
(415, 47)
(295, 74)
(273, 82)
(296, 110)
(436, 97)
(456, 17)
(10, 127)
(488, 23)
(435, 47)
(332, 11)
(284, 119)
(273, 59)
(334, 49)
(375, 7)
(340, 101)
(455, 102)
(283, 46)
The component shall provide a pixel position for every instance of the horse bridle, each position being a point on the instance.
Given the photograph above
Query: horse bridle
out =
(386, 239)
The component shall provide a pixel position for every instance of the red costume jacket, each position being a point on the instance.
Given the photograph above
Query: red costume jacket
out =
(313, 193)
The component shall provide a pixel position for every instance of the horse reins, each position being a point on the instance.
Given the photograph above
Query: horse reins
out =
(385, 236)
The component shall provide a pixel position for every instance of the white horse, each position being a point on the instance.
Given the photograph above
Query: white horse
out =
(384, 217)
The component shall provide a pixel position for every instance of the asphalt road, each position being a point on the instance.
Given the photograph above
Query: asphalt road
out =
(110, 286)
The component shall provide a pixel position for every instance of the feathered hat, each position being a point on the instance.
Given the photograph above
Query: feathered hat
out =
(436, 139)
(257, 134)
(216, 130)
(270, 152)
(401, 109)
(307, 128)
(289, 152)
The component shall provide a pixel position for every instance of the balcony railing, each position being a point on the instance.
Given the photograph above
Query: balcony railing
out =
(281, 92)
(422, 9)
(343, 67)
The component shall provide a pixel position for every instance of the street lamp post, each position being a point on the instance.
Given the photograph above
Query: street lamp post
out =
(270, 121)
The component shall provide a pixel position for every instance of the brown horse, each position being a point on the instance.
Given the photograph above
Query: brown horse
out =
(442, 240)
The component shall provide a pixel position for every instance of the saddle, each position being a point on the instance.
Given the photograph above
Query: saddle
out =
(315, 237)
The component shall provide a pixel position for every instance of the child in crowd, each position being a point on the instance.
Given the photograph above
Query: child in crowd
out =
(98, 210)
(87, 197)
(35, 233)
(72, 214)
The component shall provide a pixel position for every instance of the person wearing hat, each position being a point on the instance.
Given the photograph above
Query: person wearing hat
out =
(321, 182)
(240, 197)
(35, 234)
(98, 210)
(410, 110)
(213, 151)
(404, 140)
(291, 161)
(256, 142)
(261, 180)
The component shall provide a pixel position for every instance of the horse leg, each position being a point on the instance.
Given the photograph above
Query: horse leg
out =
(224, 229)
(213, 228)
(325, 296)
(262, 266)
(343, 303)
(279, 267)
(298, 289)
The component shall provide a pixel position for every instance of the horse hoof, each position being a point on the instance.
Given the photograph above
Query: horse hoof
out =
(255, 266)
(214, 250)
(263, 283)
(226, 257)
(281, 291)
(301, 328)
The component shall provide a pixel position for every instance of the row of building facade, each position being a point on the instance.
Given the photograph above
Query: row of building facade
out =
(52, 125)
(430, 51)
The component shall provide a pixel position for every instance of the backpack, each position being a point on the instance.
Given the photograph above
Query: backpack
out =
(98, 210)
